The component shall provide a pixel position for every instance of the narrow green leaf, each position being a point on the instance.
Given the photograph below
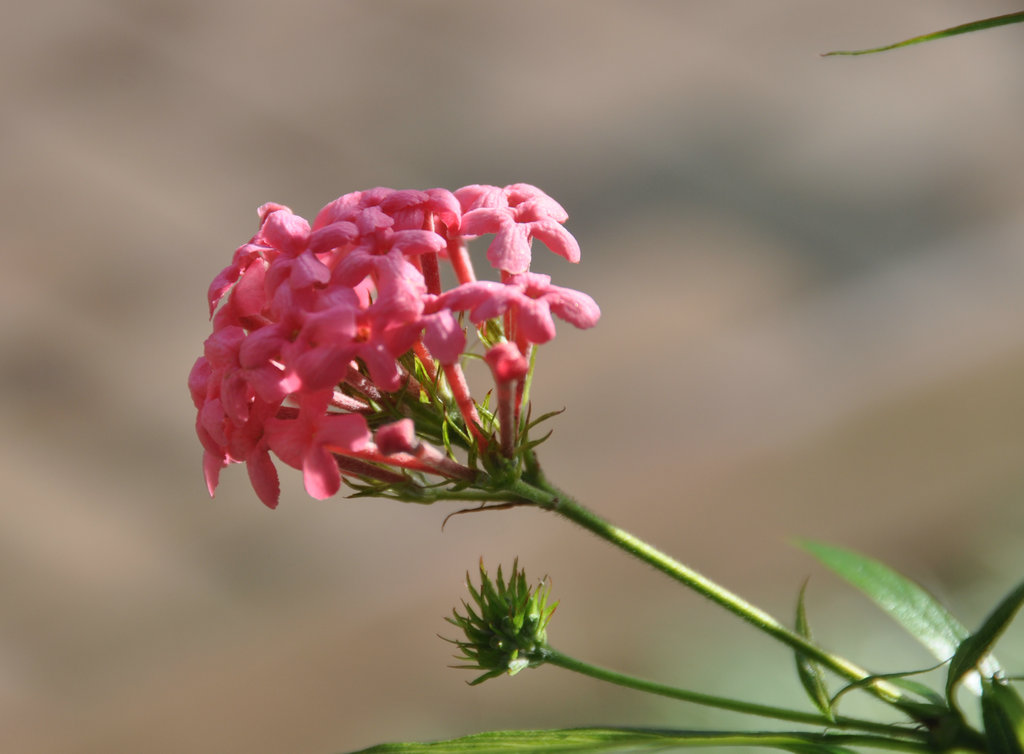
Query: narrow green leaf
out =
(1002, 713)
(988, 23)
(632, 739)
(811, 674)
(906, 602)
(973, 650)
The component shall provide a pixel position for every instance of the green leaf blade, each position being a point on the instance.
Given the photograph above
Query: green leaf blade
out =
(906, 602)
(987, 23)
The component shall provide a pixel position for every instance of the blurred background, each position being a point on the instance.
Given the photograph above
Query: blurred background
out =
(812, 281)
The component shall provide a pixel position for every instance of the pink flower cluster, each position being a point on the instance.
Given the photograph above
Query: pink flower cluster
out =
(311, 324)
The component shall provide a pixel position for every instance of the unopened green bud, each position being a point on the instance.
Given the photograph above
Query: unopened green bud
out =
(504, 625)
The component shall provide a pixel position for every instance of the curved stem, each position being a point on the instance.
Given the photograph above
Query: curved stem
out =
(785, 741)
(554, 657)
(550, 498)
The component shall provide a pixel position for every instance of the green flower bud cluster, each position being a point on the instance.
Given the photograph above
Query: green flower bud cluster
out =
(505, 627)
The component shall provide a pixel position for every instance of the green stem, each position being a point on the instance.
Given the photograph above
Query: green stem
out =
(785, 741)
(550, 498)
(554, 657)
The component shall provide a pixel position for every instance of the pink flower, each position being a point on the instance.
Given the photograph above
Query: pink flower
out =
(400, 286)
(531, 300)
(232, 439)
(412, 209)
(308, 441)
(516, 215)
(315, 325)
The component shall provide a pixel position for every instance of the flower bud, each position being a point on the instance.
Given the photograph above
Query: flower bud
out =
(506, 626)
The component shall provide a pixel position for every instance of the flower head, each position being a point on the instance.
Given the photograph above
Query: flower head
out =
(325, 332)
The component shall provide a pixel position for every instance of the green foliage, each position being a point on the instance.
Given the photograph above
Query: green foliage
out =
(811, 674)
(974, 650)
(988, 23)
(906, 602)
(627, 739)
(1002, 713)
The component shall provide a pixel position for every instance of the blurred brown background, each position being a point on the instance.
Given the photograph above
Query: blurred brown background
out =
(812, 278)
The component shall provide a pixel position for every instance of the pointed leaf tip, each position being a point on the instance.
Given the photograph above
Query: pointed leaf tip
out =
(811, 674)
(987, 23)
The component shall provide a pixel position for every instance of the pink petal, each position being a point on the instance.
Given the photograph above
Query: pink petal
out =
(320, 474)
(507, 363)
(332, 236)
(220, 285)
(212, 464)
(494, 305)
(444, 338)
(574, 307)
(264, 210)
(397, 437)
(343, 433)
(468, 295)
(381, 363)
(556, 238)
(263, 477)
(323, 367)
(235, 395)
(510, 249)
(531, 203)
(211, 419)
(270, 383)
(534, 320)
(209, 443)
(444, 204)
(250, 295)
(199, 380)
(289, 439)
(477, 222)
(418, 242)
(373, 219)
(307, 270)
(342, 208)
(285, 231)
(403, 199)
(221, 348)
(477, 195)
(261, 346)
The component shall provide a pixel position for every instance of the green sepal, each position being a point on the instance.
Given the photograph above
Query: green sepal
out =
(988, 23)
(811, 674)
(974, 650)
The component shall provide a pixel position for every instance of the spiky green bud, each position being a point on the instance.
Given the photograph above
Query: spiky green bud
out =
(505, 626)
